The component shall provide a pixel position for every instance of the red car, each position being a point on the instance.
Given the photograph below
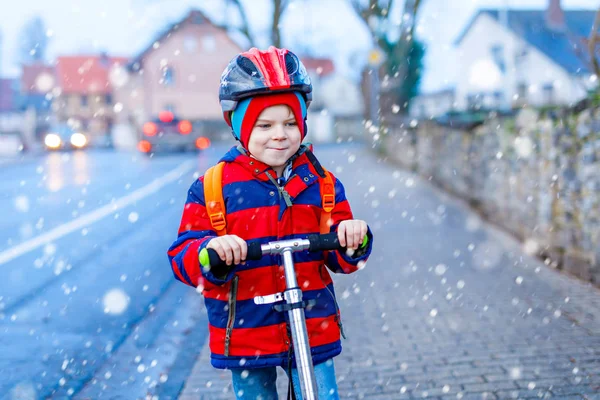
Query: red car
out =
(168, 133)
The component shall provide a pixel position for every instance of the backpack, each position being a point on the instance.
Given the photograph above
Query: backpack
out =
(215, 205)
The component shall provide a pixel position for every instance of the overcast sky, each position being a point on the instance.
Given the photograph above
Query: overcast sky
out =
(124, 27)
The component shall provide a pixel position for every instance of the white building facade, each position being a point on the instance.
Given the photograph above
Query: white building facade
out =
(517, 57)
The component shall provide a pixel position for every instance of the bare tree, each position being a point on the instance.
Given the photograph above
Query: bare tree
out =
(376, 15)
(592, 44)
(279, 7)
(33, 41)
(245, 28)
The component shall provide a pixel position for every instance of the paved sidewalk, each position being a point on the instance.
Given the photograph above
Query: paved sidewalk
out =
(448, 307)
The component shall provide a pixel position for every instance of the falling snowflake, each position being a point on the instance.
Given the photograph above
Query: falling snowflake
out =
(440, 269)
(523, 146)
(115, 302)
(519, 280)
(22, 204)
(133, 217)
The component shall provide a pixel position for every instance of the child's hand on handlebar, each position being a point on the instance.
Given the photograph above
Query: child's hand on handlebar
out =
(231, 248)
(351, 233)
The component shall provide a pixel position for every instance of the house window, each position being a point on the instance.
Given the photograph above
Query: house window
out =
(521, 57)
(190, 44)
(84, 100)
(498, 57)
(197, 19)
(209, 43)
(168, 76)
(549, 93)
(498, 98)
(474, 101)
(522, 91)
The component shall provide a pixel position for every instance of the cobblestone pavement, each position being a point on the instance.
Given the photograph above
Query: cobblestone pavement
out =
(448, 307)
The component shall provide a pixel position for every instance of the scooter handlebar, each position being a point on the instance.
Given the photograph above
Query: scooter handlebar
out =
(209, 257)
(328, 241)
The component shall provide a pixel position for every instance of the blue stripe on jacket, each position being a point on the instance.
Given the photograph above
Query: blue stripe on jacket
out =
(319, 354)
(250, 315)
(246, 195)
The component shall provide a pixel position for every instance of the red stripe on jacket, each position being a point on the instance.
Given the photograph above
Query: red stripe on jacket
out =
(321, 331)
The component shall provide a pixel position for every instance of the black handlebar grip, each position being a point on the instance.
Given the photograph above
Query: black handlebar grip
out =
(328, 241)
(209, 257)
(214, 261)
(254, 251)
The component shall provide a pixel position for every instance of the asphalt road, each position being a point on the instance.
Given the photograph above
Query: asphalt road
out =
(85, 277)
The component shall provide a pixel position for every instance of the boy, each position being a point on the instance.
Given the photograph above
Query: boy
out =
(270, 187)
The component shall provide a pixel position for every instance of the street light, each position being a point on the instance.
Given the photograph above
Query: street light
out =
(375, 59)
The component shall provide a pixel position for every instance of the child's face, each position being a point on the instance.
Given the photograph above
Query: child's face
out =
(275, 137)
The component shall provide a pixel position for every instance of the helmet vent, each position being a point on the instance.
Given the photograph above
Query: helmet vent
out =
(291, 65)
(247, 66)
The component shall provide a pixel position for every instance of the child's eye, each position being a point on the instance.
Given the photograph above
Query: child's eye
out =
(264, 126)
(292, 123)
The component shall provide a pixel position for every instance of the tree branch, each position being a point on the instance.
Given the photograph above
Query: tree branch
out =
(277, 11)
(592, 44)
(245, 29)
(358, 9)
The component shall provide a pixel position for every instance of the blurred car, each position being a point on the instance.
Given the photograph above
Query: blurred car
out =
(64, 137)
(170, 133)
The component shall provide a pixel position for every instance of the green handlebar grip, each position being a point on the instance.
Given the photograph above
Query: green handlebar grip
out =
(365, 241)
(203, 258)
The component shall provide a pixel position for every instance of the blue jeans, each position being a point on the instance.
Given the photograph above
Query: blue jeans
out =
(259, 383)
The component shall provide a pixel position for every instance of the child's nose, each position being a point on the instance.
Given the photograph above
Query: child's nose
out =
(279, 132)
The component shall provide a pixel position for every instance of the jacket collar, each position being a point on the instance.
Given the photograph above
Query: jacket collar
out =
(303, 172)
(239, 156)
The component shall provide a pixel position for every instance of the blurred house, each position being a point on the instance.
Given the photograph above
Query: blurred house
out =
(337, 106)
(319, 70)
(179, 72)
(9, 95)
(36, 89)
(84, 92)
(509, 58)
(433, 104)
(340, 96)
(11, 117)
(37, 83)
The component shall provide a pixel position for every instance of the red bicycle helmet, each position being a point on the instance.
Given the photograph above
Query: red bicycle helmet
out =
(255, 72)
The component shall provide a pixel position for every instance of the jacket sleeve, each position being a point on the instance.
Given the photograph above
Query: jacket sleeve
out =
(339, 261)
(195, 231)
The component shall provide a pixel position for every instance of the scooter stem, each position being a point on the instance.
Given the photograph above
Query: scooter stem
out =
(293, 295)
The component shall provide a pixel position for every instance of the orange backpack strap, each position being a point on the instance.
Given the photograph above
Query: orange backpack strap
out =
(328, 201)
(213, 197)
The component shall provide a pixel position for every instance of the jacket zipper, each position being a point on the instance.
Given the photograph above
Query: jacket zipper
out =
(281, 190)
(338, 315)
(231, 317)
(286, 195)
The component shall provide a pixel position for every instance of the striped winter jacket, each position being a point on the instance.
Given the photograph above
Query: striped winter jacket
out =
(242, 333)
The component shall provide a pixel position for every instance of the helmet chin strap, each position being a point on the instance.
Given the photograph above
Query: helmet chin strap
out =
(242, 149)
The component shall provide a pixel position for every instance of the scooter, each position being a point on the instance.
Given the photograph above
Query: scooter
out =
(292, 295)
